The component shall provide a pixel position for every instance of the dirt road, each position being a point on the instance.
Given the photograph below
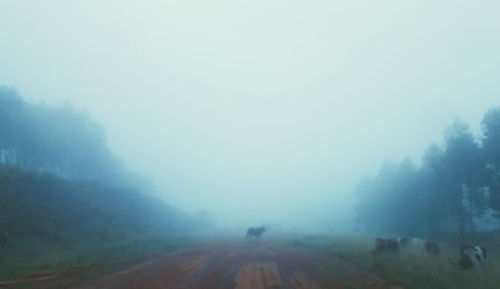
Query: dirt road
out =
(230, 264)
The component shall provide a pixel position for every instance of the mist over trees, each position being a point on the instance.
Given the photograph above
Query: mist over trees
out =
(62, 188)
(57, 140)
(456, 185)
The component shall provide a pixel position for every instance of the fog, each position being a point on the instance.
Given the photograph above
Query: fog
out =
(259, 111)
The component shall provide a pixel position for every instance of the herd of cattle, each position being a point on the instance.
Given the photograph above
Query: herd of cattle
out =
(470, 256)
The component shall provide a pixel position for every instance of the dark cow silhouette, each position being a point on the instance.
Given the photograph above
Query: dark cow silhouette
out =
(432, 248)
(386, 246)
(255, 232)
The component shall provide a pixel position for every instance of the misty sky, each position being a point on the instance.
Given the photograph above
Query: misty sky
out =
(259, 111)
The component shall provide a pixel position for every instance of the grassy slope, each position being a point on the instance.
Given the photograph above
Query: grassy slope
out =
(413, 268)
(47, 223)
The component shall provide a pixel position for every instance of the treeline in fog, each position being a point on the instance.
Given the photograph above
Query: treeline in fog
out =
(456, 186)
(64, 198)
(57, 140)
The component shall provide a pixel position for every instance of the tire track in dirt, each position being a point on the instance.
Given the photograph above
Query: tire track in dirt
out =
(258, 276)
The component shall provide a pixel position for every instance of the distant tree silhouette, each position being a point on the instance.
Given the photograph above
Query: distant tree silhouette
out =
(456, 183)
(58, 140)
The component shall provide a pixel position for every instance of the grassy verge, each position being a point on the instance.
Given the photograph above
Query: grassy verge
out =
(34, 257)
(51, 223)
(413, 268)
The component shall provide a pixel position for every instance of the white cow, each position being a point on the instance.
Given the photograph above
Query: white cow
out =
(473, 256)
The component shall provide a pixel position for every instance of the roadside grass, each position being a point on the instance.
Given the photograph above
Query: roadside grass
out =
(413, 268)
(29, 257)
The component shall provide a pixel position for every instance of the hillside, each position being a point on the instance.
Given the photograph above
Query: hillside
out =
(47, 221)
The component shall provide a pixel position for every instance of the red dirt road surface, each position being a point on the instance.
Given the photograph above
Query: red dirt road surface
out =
(230, 264)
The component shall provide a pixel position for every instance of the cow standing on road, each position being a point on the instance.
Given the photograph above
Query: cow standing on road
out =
(255, 232)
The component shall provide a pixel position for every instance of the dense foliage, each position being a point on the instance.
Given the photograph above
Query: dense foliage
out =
(456, 184)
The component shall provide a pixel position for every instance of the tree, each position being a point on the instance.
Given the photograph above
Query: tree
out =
(57, 140)
(432, 188)
(463, 167)
(392, 201)
(491, 148)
